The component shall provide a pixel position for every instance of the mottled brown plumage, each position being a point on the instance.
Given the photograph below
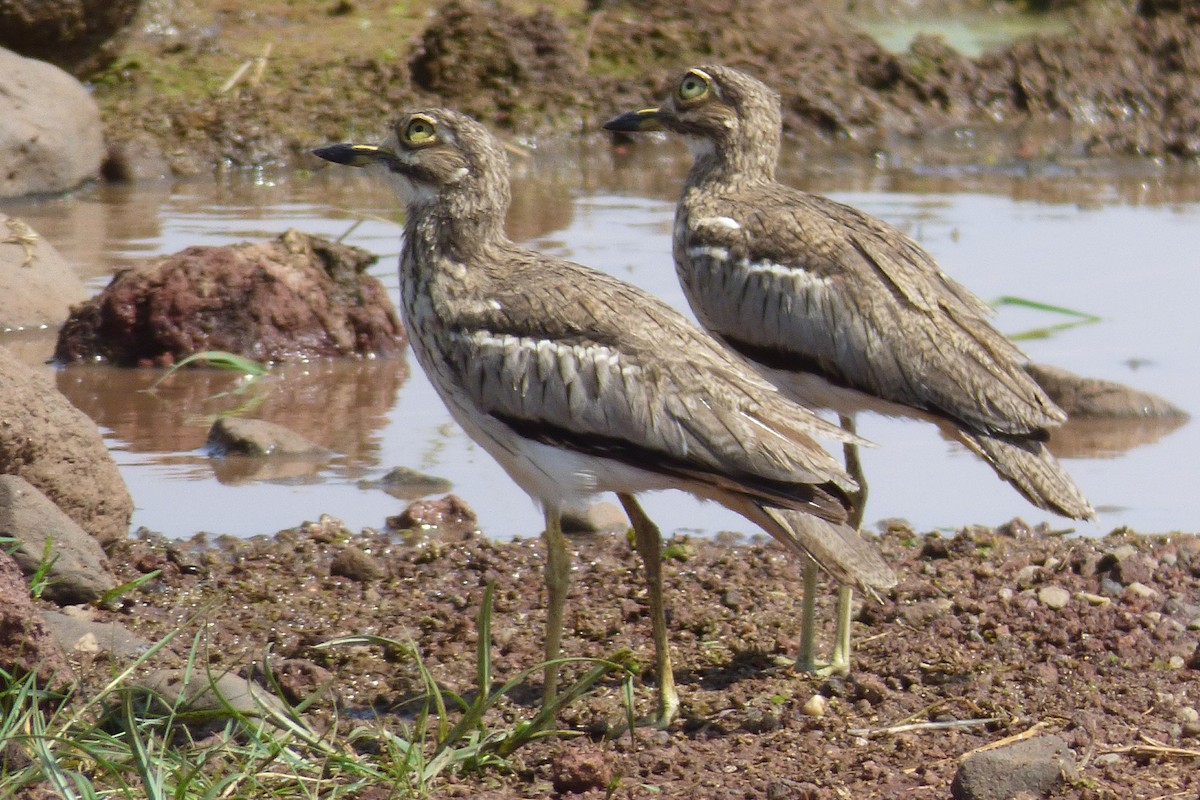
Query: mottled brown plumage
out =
(578, 383)
(806, 286)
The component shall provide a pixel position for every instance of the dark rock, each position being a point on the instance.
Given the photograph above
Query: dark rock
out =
(78, 572)
(408, 484)
(578, 769)
(204, 699)
(451, 513)
(75, 633)
(26, 645)
(493, 62)
(352, 563)
(1093, 397)
(256, 437)
(596, 518)
(54, 446)
(1134, 569)
(52, 138)
(81, 36)
(299, 679)
(39, 286)
(1037, 766)
(1193, 661)
(296, 297)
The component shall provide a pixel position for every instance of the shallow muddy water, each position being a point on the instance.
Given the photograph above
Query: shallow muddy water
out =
(1117, 242)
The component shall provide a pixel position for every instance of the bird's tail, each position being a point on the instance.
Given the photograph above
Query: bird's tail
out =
(1033, 471)
(843, 552)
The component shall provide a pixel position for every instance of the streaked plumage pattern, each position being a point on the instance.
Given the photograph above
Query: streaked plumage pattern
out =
(578, 383)
(801, 283)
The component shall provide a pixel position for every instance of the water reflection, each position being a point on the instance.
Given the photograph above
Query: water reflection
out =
(1112, 239)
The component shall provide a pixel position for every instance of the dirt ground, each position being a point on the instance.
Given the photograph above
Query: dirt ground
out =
(205, 84)
(974, 631)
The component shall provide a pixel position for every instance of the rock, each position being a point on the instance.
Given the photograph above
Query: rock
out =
(1138, 589)
(352, 563)
(54, 446)
(207, 699)
(294, 298)
(580, 768)
(408, 484)
(50, 134)
(26, 645)
(299, 679)
(451, 513)
(1193, 661)
(81, 36)
(1037, 766)
(256, 437)
(108, 637)
(596, 518)
(39, 286)
(78, 572)
(483, 58)
(1054, 597)
(1092, 397)
(815, 706)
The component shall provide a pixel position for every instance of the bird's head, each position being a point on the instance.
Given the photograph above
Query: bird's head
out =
(435, 155)
(719, 110)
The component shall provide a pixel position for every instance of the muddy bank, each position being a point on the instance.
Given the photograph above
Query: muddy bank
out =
(202, 85)
(991, 633)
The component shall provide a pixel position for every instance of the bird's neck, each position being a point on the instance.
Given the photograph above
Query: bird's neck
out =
(729, 168)
(457, 231)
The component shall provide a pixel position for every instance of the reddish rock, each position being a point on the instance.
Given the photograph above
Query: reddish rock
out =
(26, 645)
(81, 36)
(58, 449)
(580, 768)
(451, 513)
(294, 298)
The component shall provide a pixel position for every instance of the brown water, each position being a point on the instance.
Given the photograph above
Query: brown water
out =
(1117, 241)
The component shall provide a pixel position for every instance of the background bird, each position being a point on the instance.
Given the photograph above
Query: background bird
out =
(578, 383)
(837, 307)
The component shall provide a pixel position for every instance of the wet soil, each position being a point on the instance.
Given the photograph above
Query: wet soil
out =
(1021, 631)
(212, 83)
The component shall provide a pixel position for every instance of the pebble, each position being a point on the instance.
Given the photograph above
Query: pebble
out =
(1027, 575)
(1140, 589)
(1093, 599)
(1005, 594)
(816, 706)
(1194, 625)
(1054, 597)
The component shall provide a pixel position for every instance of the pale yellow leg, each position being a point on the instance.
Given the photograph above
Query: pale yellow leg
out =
(558, 579)
(648, 541)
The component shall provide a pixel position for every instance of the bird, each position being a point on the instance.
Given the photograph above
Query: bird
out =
(839, 308)
(578, 383)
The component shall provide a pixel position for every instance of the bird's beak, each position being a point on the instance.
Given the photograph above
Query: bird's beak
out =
(647, 119)
(356, 155)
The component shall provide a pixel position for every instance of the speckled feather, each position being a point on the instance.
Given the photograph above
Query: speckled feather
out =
(793, 278)
(539, 357)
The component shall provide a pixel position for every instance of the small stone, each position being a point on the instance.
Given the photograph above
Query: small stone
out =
(1193, 661)
(732, 599)
(1027, 575)
(816, 706)
(1139, 589)
(1187, 714)
(451, 514)
(1054, 597)
(1036, 766)
(1194, 624)
(1175, 662)
(578, 769)
(356, 565)
(1093, 599)
(255, 437)
(1005, 594)
(1190, 730)
(596, 518)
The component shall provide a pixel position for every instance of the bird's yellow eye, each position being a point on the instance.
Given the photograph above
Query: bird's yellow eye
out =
(419, 130)
(693, 86)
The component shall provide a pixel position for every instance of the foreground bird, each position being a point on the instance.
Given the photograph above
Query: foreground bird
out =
(838, 308)
(578, 383)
